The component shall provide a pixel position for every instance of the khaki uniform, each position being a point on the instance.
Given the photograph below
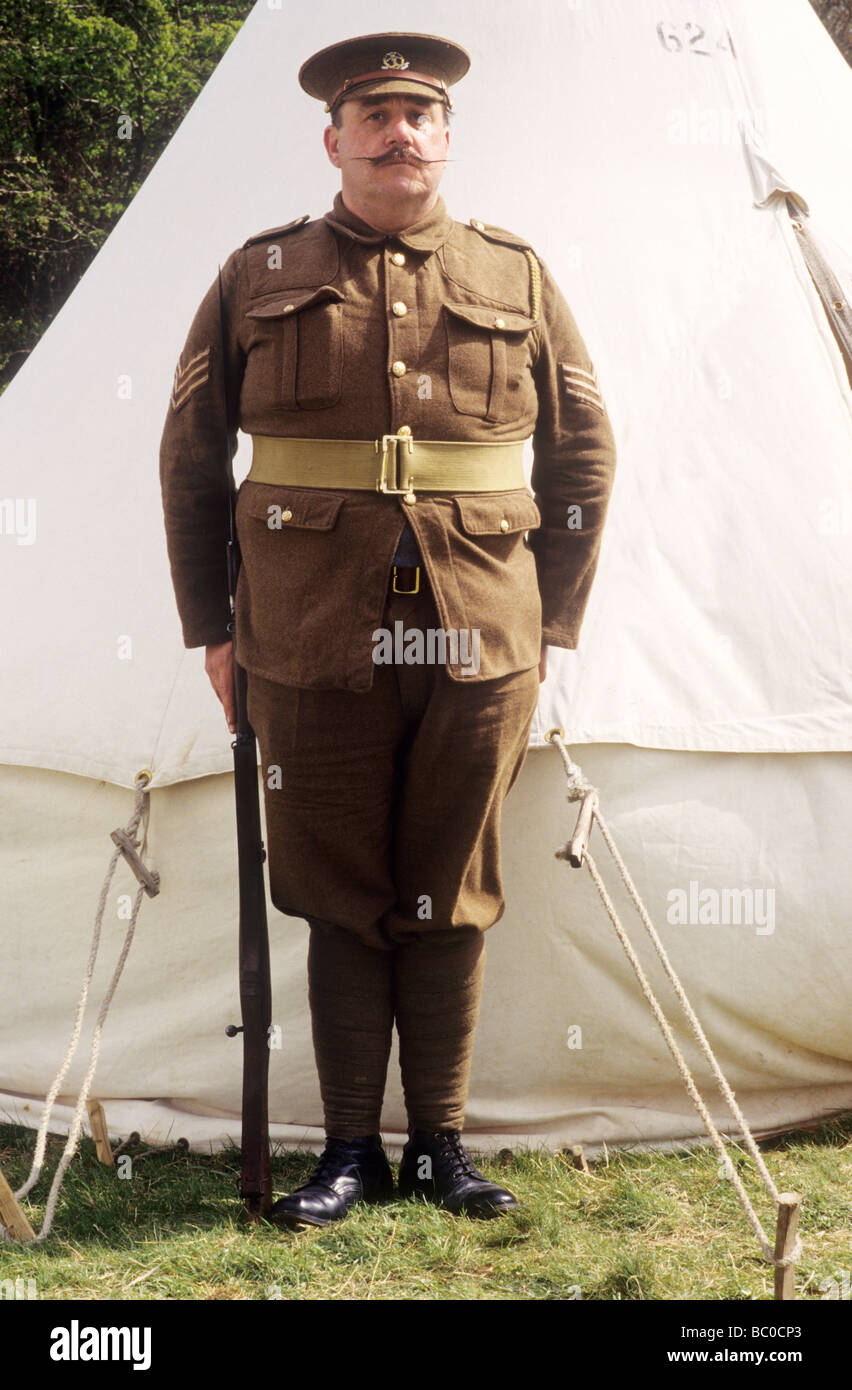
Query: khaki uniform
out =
(337, 331)
(384, 784)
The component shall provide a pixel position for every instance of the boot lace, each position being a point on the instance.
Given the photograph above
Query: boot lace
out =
(336, 1155)
(456, 1156)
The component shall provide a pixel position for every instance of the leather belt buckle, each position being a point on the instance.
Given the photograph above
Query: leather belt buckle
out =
(406, 572)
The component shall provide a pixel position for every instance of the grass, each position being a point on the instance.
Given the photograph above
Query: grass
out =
(640, 1226)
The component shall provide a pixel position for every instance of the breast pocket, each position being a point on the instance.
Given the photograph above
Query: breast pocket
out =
(303, 330)
(489, 353)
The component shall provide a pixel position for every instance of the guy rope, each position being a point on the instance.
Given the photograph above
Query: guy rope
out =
(15, 1224)
(787, 1246)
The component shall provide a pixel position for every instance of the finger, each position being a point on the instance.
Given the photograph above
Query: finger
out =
(229, 701)
(223, 694)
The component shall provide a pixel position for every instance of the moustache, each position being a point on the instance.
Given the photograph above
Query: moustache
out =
(397, 158)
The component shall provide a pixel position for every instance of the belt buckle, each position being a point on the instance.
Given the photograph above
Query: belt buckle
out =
(382, 481)
(416, 589)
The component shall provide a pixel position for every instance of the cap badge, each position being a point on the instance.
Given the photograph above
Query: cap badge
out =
(394, 60)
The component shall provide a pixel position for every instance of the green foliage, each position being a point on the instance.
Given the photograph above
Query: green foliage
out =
(836, 15)
(90, 94)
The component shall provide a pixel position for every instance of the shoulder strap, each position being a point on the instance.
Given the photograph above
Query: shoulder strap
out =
(278, 231)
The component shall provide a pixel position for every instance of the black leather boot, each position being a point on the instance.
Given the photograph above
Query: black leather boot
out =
(349, 1171)
(437, 1166)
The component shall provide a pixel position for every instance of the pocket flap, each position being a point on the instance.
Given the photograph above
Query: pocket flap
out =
(487, 316)
(293, 301)
(313, 508)
(487, 514)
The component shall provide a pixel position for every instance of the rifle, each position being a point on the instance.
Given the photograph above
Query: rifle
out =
(255, 984)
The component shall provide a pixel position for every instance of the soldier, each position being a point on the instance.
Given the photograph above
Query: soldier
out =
(391, 612)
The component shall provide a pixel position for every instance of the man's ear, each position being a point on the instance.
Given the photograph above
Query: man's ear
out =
(331, 140)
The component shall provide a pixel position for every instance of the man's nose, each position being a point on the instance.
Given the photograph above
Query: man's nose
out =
(398, 131)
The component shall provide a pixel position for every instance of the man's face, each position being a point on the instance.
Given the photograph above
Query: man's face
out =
(391, 150)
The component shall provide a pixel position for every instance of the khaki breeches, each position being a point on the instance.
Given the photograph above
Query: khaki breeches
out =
(383, 807)
(383, 830)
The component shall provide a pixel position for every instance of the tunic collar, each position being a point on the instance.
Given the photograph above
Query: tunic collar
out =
(426, 235)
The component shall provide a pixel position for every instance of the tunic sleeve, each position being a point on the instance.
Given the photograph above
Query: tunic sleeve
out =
(195, 464)
(573, 470)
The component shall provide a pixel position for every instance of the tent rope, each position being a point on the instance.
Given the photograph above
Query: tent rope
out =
(578, 789)
(140, 816)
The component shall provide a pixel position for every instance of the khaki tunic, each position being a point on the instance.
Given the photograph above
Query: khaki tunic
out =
(334, 330)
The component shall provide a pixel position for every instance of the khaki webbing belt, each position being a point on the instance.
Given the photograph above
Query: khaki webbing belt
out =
(396, 463)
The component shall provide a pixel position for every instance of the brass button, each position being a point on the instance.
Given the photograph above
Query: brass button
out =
(398, 258)
(480, 226)
(288, 308)
(504, 525)
(399, 308)
(286, 515)
(404, 429)
(399, 369)
(410, 497)
(838, 304)
(499, 323)
(797, 226)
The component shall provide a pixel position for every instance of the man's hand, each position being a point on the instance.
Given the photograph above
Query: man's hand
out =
(219, 665)
(542, 664)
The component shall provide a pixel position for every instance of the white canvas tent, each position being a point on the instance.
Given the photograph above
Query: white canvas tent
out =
(648, 151)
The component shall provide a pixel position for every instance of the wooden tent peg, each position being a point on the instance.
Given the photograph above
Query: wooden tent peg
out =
(11, 1214)
(789, 1206)
(100, 1133)
(579, 1158)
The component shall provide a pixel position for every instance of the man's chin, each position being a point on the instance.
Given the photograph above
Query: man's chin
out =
(406, 178)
